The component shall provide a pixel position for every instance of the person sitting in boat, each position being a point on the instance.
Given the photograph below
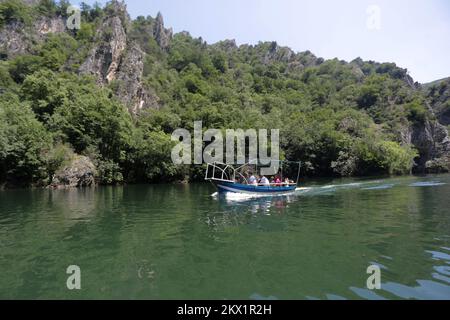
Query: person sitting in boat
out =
(264, 181)
(252, 180)
(277, 181)
(287, 181)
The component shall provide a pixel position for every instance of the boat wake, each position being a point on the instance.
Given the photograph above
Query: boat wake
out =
(427, 184)
(381, 187)
(331, 188)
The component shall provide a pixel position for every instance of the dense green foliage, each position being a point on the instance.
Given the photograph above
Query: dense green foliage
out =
(338, 118)
(13, 10)
(24, 143)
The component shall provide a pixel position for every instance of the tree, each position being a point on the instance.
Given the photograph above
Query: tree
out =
(24, 143)
(46, 92)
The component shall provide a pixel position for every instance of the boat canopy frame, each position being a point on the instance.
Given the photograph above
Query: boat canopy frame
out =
(228, 173)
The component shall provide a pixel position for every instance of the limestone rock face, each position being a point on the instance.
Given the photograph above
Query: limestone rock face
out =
(17, 39)
(277, 53)
(117, 58)
(130, 88)
(433, 143)
(12, 40)
(438, 95)
(79, 173)
(113, 57)
(104, 60)
(162, 36)
(46, 25)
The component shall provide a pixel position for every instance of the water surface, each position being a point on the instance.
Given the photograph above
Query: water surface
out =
(180, 242)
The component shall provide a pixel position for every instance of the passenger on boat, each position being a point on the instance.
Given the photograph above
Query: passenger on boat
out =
(287, 181)
(277, 181)
(264, 181)
(252, 180)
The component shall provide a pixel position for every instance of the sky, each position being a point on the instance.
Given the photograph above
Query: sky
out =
(414, 34)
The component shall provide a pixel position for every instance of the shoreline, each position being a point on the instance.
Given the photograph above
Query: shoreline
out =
(186, 183)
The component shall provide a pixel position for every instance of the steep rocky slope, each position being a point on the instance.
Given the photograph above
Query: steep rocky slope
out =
(438, 95)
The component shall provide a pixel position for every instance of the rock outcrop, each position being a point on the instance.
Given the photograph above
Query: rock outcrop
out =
(117, 58)
(130, 85)
(12, 40)
(438, 95)
(45, 25)
(430, 138)
(277, 53)
(16, 38)
(433, 144)
(161, 34)
(80, 172)
(104, 59)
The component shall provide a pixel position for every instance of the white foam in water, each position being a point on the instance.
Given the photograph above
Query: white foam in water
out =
(427, 184)
(354, 184)
(330, 186)
(232, 196)
(381, 187)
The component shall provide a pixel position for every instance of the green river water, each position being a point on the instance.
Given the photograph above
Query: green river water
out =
(183, 242)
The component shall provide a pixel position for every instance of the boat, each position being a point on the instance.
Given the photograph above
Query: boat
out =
(228, 178)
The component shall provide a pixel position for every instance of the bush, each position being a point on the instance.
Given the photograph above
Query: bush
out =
(22, 66)
(24, 143)
(58, 157)
(396, 159)
(150, 159)
(416, 111)
(108, 172)
(13, 10)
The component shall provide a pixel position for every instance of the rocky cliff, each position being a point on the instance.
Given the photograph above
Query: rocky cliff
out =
(438, 95)
(17, 38)
(118, 58)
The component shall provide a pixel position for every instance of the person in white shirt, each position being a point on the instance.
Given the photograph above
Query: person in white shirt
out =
(264, 181)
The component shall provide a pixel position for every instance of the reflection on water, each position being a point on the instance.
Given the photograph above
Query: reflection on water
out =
(186, 241)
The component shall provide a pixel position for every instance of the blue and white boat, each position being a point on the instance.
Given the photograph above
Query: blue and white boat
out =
(227, 178)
